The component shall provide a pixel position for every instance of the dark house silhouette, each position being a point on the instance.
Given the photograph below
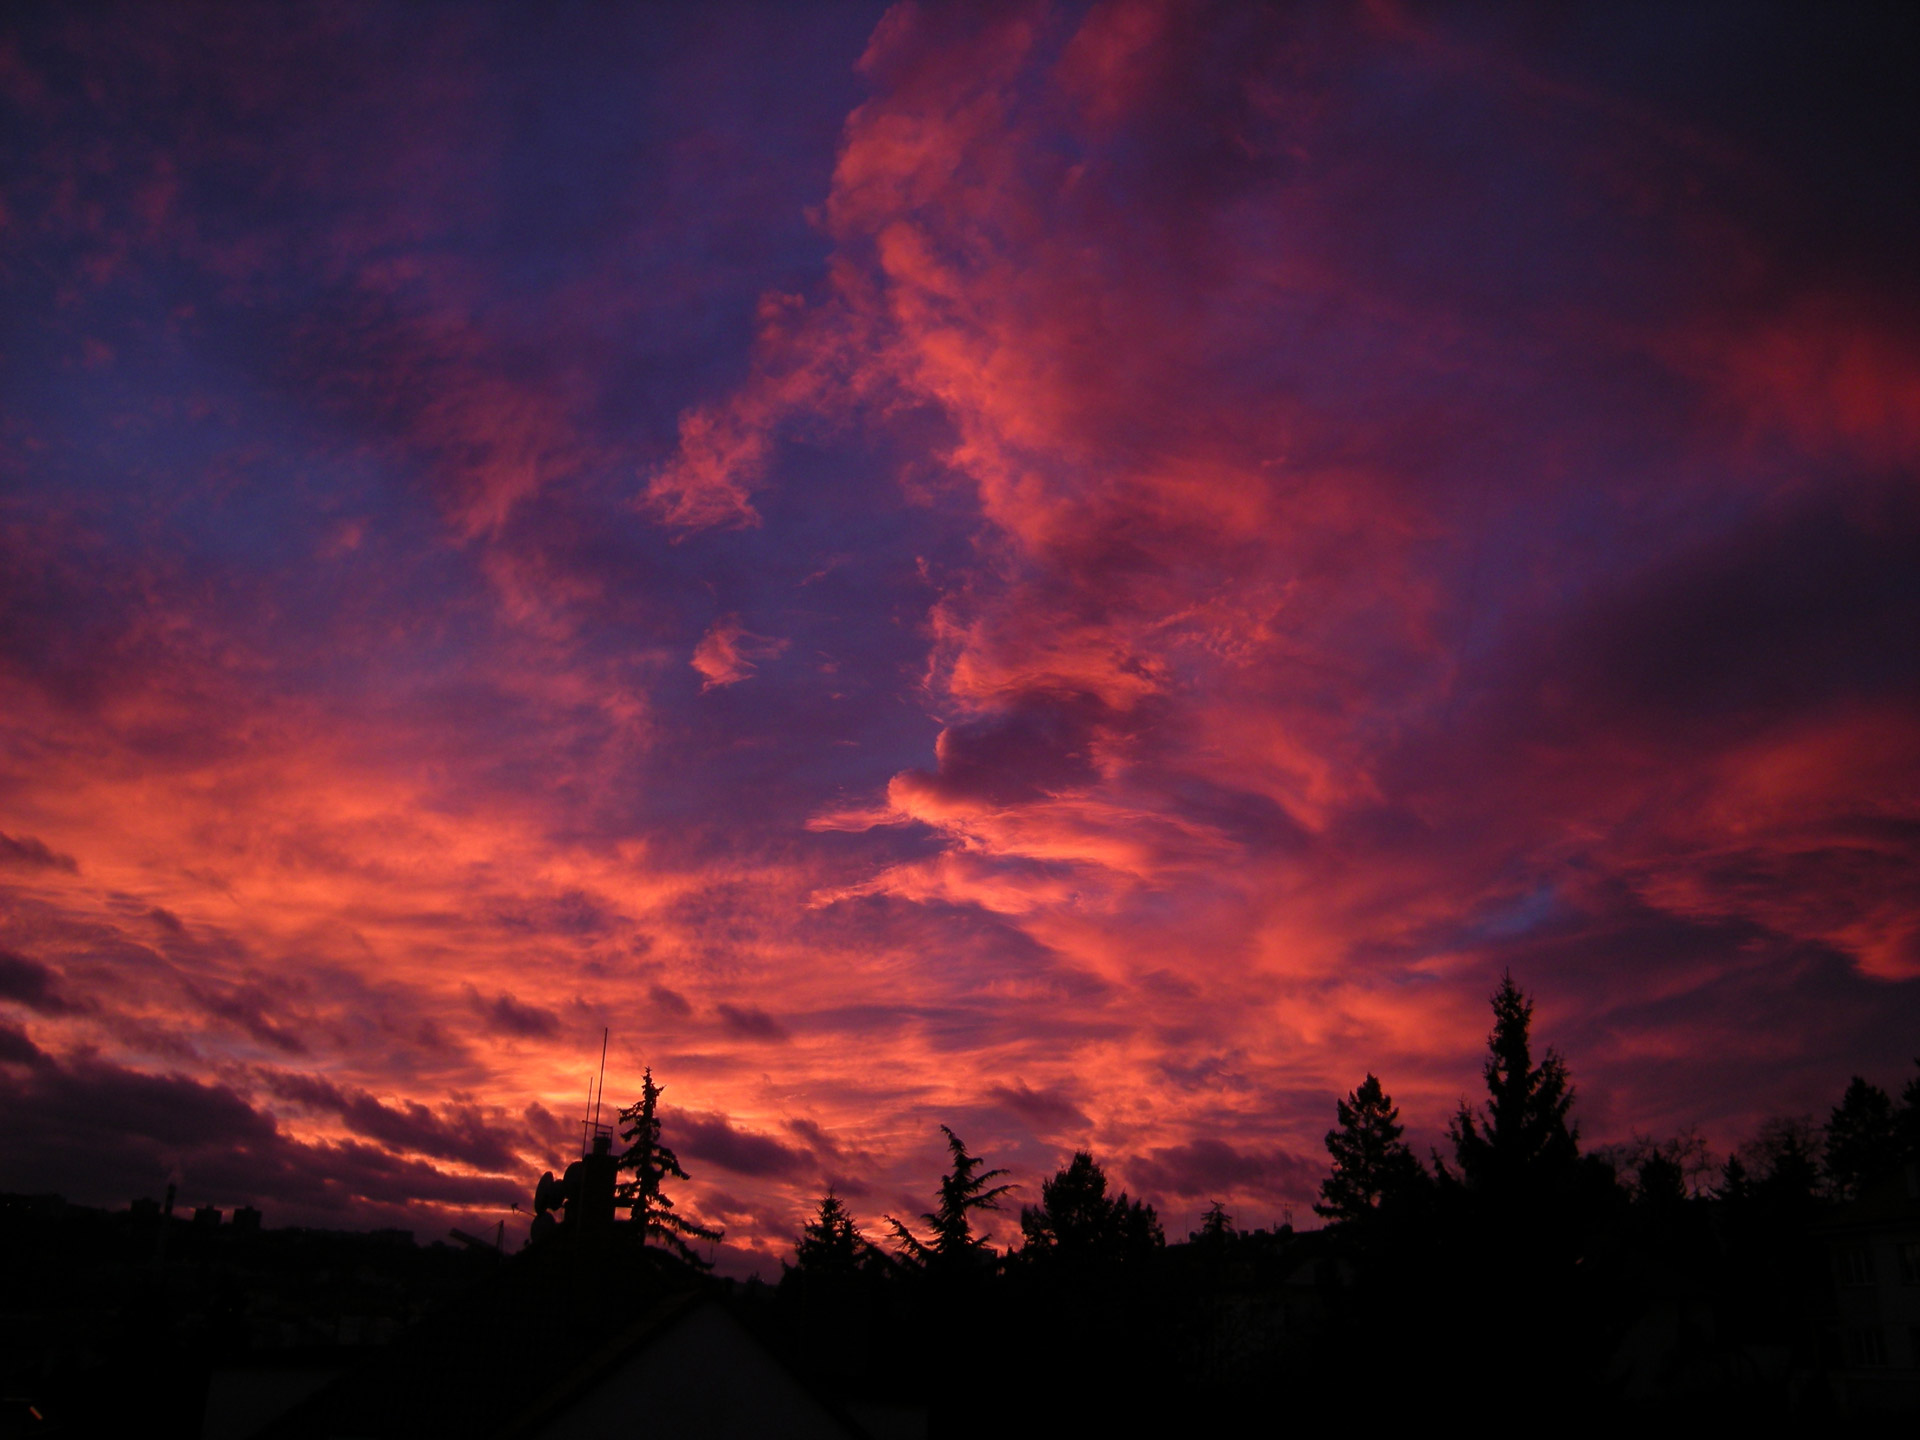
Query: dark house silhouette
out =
(1873, 1255)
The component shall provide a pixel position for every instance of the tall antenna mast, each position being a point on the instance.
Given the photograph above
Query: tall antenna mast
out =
(605, 1032)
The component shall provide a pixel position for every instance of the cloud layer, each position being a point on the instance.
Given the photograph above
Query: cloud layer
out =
(1085, 574)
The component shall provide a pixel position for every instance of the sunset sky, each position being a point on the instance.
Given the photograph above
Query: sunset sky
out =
(1089, 574)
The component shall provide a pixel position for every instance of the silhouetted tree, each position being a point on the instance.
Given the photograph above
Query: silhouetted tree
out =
(1523, 1141)
(1076, 1222)
(1907, 1122)
(1659, 1171)
(831, 1245)
(1735, 1188)
(1783, 1159)
(650, 1164)
(963, 1190)
(1372, 1165)
(1862, 1143)
(1660, 1182)
(1216, 1230)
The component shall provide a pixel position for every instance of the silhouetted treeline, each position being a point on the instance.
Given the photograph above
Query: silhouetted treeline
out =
(1512, 1273)
(1628, 1280)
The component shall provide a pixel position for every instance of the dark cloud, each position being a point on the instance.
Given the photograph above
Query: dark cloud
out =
(669, 1002)
(29, 983)
(570, 913)
(749, 1022)
(715, 1139)
(1048, 1110)
(507, 1016)
(815, 1135)
(17, 1049)
(100, 1133)
(1035, 745)
(247, 1007)
(457, 1132)
(25, 852)
(1210, 1169)
(1792, 611)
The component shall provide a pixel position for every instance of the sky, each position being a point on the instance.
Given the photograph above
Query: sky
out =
(1090, 574)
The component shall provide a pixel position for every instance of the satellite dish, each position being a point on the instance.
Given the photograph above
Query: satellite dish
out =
(549, 1194)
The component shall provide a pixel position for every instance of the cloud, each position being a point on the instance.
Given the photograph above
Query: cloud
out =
(17, 1049)
(750, 1022)
(26, 852)
(728, 653)
(669, 1002)
(101, 1133)
(1052, 1111)
(1213, 1169)
(247, 1008)
(29, 983)
(458, 1132)
(718, 1141)
(508, 1016)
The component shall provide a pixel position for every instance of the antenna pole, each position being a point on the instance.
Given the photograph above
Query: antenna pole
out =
(605, 1031)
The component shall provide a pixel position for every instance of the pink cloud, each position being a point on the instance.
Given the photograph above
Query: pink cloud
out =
(728, 653)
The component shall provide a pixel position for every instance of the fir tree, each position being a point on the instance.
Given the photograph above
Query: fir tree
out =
(1522, 1140)
(963, 1190)
(1216, 1228)
(1077, 1223)
(1862, 1140)
(831, 1245)
(650, 1164)
(1372, 1165)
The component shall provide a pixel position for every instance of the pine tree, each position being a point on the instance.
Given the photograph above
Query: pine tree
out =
(1077, 1223)
(1372, 1165)
(650, 1164)
(1862, 1140)
(1523, 1141)
(963, 1190)
(831, 1245)
(1216, 1230)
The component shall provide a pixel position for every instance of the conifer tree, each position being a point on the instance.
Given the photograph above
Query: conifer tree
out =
(1522, 1139)
(963, 1190)
(1216, 1228)
(1784, 1160)
(1372, 1165)
(1906, 1124)
(1076, 1222)
(650, 1164)
(831, 1245)
(1862, 1140)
